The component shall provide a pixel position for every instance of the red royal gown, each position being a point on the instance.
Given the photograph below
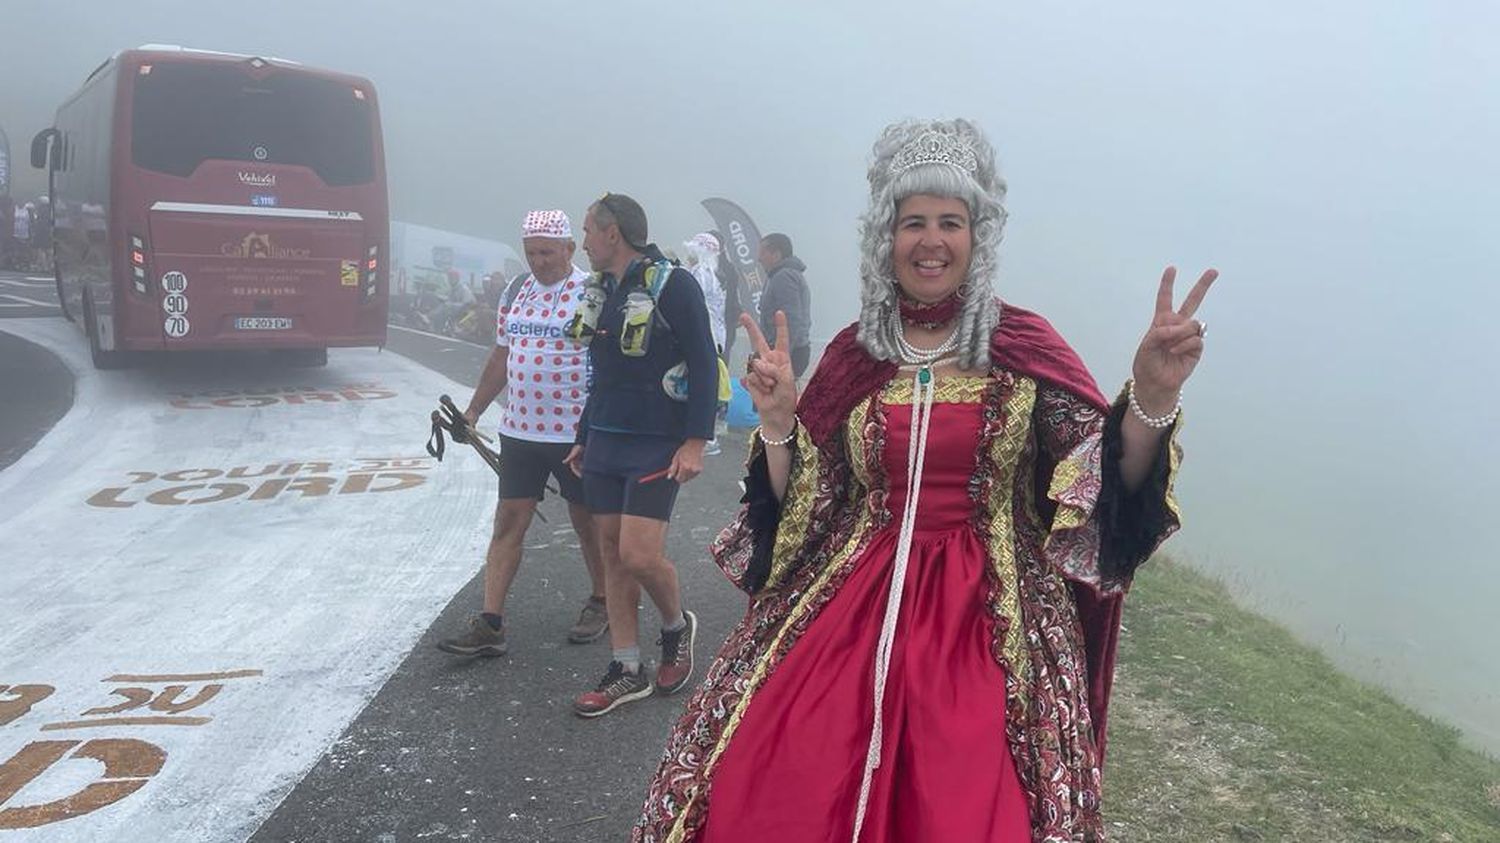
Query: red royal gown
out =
(792, 772)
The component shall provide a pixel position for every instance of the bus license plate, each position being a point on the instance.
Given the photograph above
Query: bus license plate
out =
(263, 323)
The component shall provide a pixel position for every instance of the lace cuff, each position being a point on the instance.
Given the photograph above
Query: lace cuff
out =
(775, 530)
(1100, 532)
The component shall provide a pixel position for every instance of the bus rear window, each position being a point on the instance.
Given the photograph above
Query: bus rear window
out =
(185, 113)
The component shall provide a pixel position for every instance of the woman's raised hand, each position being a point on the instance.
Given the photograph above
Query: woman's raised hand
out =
(769, 378)
(1172, 346)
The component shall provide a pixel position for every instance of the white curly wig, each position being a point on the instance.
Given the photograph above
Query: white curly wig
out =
(982, 190)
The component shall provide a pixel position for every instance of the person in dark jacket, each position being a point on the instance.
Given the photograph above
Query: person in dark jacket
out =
(653, 394)
(786, 291)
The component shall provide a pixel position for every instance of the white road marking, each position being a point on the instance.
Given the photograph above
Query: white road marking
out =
(127, 606)
(28, 302)
(438, 336)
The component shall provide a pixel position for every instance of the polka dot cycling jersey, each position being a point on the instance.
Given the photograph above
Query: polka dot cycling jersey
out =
(547, 373)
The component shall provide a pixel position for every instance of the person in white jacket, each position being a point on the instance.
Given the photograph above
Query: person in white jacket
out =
(703, 260)
(703, 250)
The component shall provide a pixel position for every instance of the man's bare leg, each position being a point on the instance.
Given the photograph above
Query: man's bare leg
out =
(503, 559)
(642, 554)
(622, 591)
(486, 635)
(593, 620)
(588, 542)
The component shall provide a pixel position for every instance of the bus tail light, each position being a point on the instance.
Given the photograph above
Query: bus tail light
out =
(372, 264)
(138, 264)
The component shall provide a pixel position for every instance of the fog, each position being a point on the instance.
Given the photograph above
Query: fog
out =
(1338, 163)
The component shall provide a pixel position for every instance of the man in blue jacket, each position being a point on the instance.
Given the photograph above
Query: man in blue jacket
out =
(651, 404)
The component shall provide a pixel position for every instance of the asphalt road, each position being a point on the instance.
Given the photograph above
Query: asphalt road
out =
(37, 386)
(489, 749)
(38, 390)
(27, 294)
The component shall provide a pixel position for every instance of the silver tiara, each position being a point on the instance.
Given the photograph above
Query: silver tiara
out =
(934, 147)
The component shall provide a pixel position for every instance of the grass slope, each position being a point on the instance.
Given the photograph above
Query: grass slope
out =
(1223, 727)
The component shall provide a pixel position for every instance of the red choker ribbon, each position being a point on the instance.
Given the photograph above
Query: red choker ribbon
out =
(934, 315)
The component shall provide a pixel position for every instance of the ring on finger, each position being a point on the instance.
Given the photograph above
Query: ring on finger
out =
(1202, 329)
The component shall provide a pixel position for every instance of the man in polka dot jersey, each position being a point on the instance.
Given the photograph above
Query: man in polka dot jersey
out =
(543, 375)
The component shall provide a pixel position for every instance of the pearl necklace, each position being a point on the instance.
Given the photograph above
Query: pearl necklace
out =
(921, 356)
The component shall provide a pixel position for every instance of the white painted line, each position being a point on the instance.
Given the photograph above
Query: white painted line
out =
(45, 278)
(247, 211)
(213, 571)
(439, 337)
(26, 284)
(28, 301)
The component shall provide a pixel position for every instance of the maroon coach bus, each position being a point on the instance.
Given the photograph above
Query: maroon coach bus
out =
(216, 201)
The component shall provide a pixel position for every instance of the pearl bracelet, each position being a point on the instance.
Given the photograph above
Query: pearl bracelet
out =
(783, 441)
(1153, 422)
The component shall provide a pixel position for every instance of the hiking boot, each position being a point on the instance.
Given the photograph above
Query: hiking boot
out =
(676, 666)
(616, 688)
(481, 640)
(593, 621)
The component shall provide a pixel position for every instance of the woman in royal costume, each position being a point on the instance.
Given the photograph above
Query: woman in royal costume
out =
(937, 537)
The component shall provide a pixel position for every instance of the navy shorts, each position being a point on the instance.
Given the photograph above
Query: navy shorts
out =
(613, 467)
(524, 466)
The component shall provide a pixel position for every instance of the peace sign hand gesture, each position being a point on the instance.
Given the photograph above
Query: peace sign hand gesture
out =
(1172, 346)
(769, 378)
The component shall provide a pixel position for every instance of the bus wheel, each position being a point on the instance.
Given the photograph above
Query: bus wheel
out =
(103, 360)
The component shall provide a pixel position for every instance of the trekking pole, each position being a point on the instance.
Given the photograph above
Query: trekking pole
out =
(448, 418)
(454, 411)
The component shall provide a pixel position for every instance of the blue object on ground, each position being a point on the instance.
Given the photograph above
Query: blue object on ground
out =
(741, 408)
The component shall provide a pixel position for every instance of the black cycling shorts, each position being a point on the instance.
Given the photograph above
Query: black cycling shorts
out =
(614, 465)
(524, 466)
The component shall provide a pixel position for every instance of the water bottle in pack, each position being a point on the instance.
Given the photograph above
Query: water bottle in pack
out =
(586, 319)
(635, 331)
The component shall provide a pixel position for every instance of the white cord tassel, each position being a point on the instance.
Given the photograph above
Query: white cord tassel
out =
(916, 452)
